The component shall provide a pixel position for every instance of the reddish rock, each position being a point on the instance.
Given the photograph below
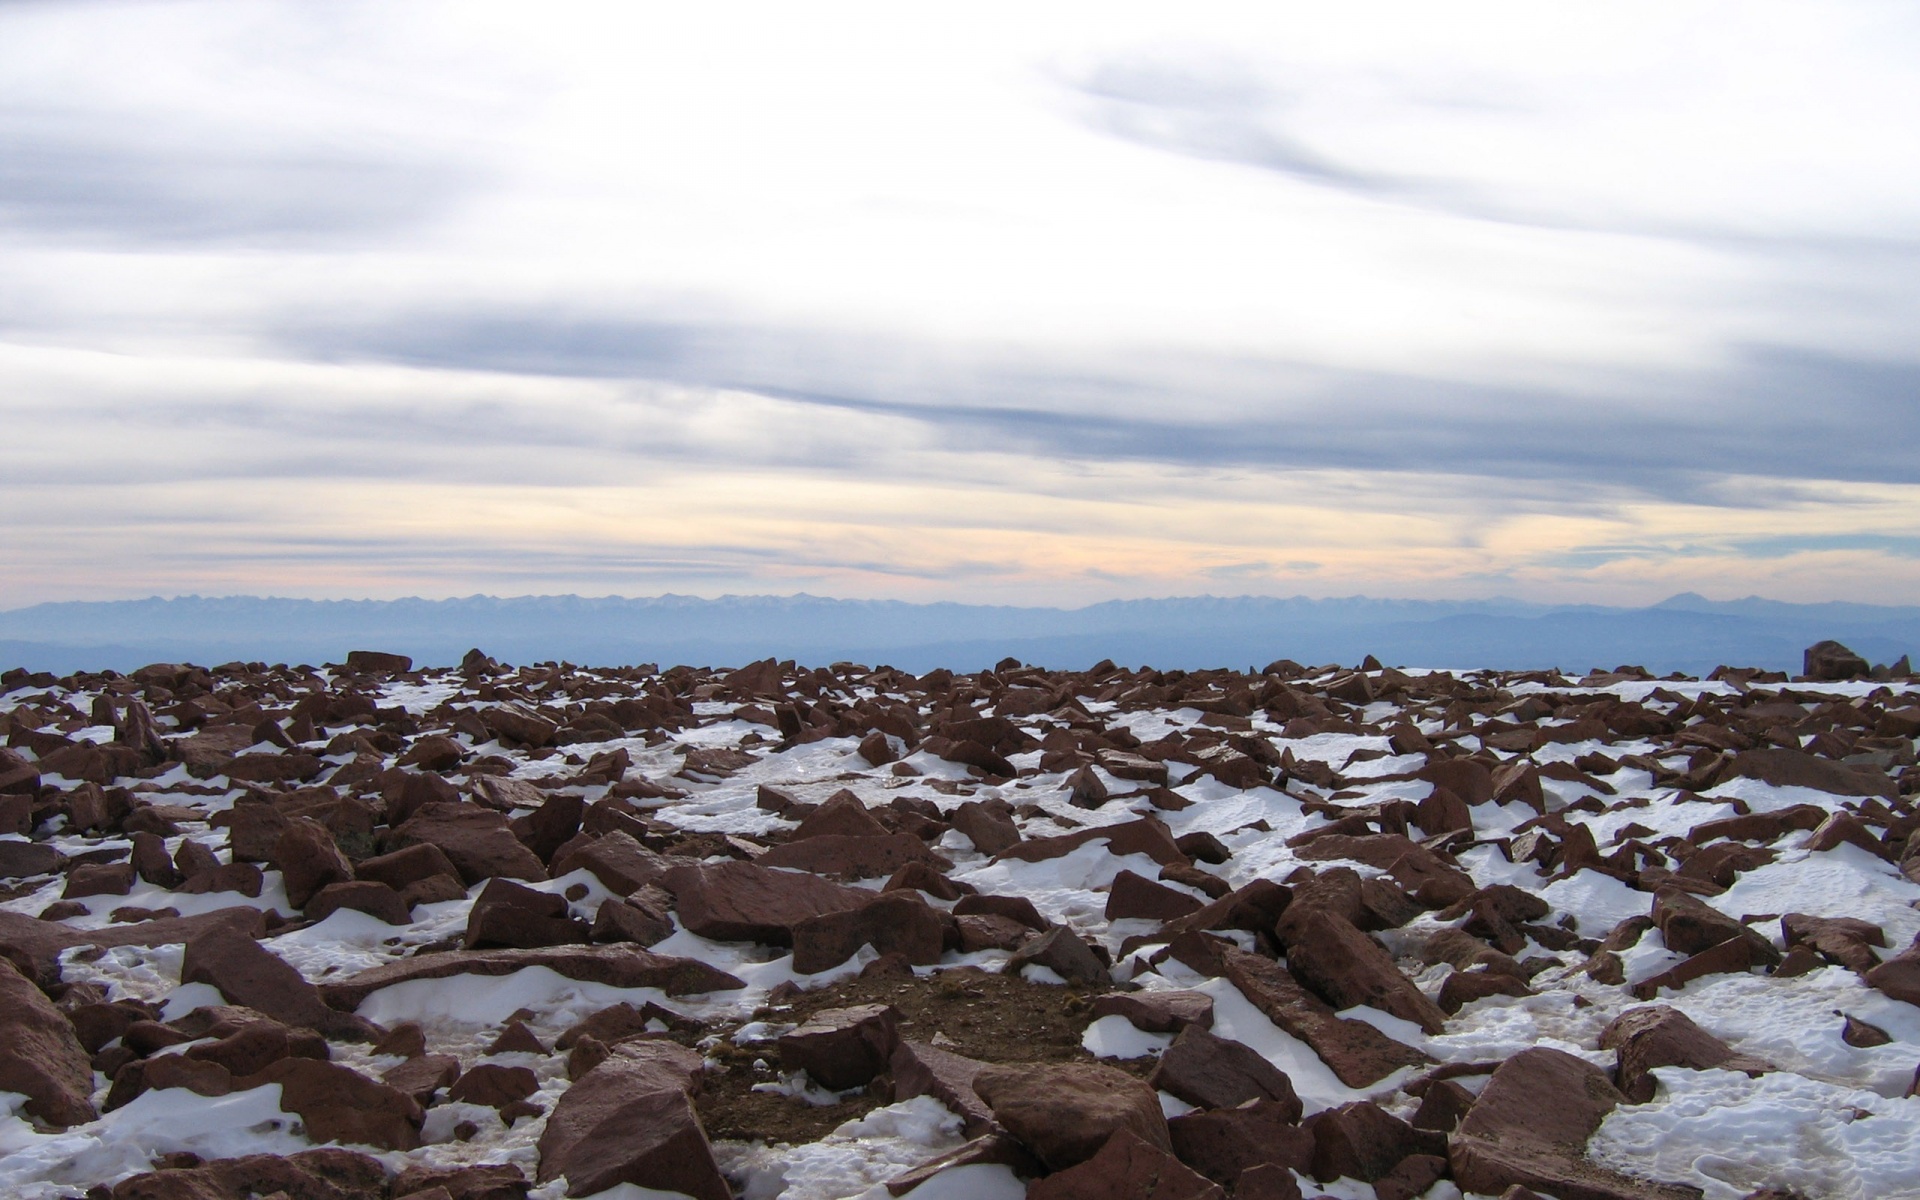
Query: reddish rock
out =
(1127, 1168)
(842, 815)
(512, 915)
(338, 1104)
(1061, 951)
(1899, 976)
(1412, 1177)
(996, 1149)
(149, 859)
(1464, 987)
(991, 830)
(747, 902)
(1157, 1011)
(629, 1120)
(409, 865)
(920, 1069)
(494, 1085)
(247, 1042)
(1225, 1143)
(1363, 1141)
(552, 824)
(853, 857)
(423, 1075)
(1137, 896)
(478, 841)
(1014, 908)
(1065, 1112)
(843, 1048)
(1657, 1036)
(1355, 1051)
(498, 1181)
(892, 923)
(1146, 836)
(378, 662)
(1214, 1072)
(642, 918)
(1844, 940)
(1348, 968)
(98, 879)
(328, 1173)
(1796, 768)
(616, 966)
(308, 860)
(518, 723)
(1530, 1127)
(375, 899)
(1732, 956)
(40, 1056)
(247, 973)
(920, 876)
(1441, 1108)
(1690, 925)
(1829, 661)
(616, 859)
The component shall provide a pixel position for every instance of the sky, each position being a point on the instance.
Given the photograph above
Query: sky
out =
(1037, 304)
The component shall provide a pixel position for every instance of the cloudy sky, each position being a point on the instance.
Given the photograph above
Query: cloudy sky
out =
(1021, 303)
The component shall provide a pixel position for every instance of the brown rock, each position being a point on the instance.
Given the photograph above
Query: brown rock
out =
(1214, 1072)
(616, 966)
(920, 1069)
(853, 857)
(552, 824)
(375, 899)
(478, 841)
(1796, 768)
(1689, 925)
(41, 1057)
(1157, 1011)
(1014, 908)
(1137, 896)
(98, 879)
(1844, 940)
(1530, 1127)
(616, 859)
(1066, 1112)
(1146, 836)
(629, 1120)
(513, 915)
(1363, 1141)
(843, 1048)
(1899, 976)
(1829, 661)
(1225, 1143)
(338, 1104)
(494, 1085)
(423, 1075)
(1061, 951)
(1355, 1051)
(892, 923)
(308, 860)
(991, 831)
(843, 815)
(409, 865)
(1127, 1168)
(247, 973)
(747, 902)
(1348, 968)
(1658, 1036)
(642, 918)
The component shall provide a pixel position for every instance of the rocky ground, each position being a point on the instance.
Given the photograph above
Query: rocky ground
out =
(365, 931)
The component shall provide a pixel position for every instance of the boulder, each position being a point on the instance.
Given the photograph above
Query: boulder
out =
(423, 1075)
(1363, 1141)
(1127, 1167)
(1355, 1051)
(892, 923)
(642, 918)
(1658, 1036)
(249, 974)
(1065, 1112)
(494, 1085)
(920, 1069)
(845, 856)
(1225, 1143)
(409, 865)
(1830, 662)
(478, 841)
(1797, 768)
(375, 899)
(338, 1104)
(842, 815)
(1689, 925)
(1899, 976)
(630, 1120)
(991, 830)
(1061, 951)
(1530, 1128)
(513, 915)
(1215, 1072)
(843, 1048)
(747, 902)
(1348, 968)
(1137, 896)
(616, 966)
(1157, 1011)
(308, 860)
(41, 1057)
(616, 859)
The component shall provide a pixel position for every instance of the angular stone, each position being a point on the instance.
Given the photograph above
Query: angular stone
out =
(920, 1069)
(1363, 1141)
(1157, 1011)
(1127, 1167)
(409, 865)
(1215, 1072)
(629, 1120)
(1348, 968)
(842, 815)
(512, 915)
(1355, 1051)
(843, 1048)
(377, 900)
(853, 857)
(747, 902)
(617, 860)
(422, 1076)
(478, 841)
(892, 923)
(40, 1056)
(1658, 1036)
(247, 973)
(1061, 951)
(1065, 1112)
(990, 830)
(616, 966)
(338, 1104)
(1225, 1143)
(1137, 896)
(308, 860)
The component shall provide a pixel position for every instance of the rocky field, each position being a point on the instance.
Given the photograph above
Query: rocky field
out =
(369, 932)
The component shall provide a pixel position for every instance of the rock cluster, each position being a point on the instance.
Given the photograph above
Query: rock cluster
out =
(749, 887)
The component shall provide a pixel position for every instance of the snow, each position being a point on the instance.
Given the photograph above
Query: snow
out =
(1115, 1037)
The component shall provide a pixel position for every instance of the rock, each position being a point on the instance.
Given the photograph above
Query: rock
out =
(407, 792)
(40, 942)
(308, 860)
(920, 1069)
(328, 1173)
(498, 1181)
(995, 1149)
(1411, 1178)
(1137, 896)
(892, 923)
(1831, 662)
(516, 1038)
(1530, 1127)
(98, 879)
(554, 821)
(843, 814)
(853, 857)
(1146, 836)
(247, 973)
(1348, 968)
(1225, 1143)
(19, 860)
(1689, 925)
(410, 865)
(843, 1048)
(629, 1120)
(1363, 1141)
(617, 965)
(1464, 987)
(990, 830)
(1214, 1072)
(375, 899)
(1899, 976)
(423, 1075)
(642, 918)
(747, 902)
(1844, 940)
(478, 841)
(509, 914)
(1065, 1112)
(1355, 1051)
(1796, 768)
(1127, 1167)
(338, 1104)
(1014, 908)
(1157, 1011)
(617, 860)
(518, 723)
(1441, 1108)
(374, 661)
(1267, 1182)
(920, 876)
(1061, 951)
(877, 750)
(41, 1057)
(494, 1085)
(246, 1042)
(1731, 956)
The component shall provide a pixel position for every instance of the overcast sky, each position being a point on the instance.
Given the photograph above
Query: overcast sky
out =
(1023, 303)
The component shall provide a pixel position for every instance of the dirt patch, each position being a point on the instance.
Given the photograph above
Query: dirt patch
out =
(991, 1017)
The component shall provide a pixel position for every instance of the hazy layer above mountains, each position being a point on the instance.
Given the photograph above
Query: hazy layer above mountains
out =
(1686, 633)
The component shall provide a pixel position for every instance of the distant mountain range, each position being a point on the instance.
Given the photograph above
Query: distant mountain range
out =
(1686, 633)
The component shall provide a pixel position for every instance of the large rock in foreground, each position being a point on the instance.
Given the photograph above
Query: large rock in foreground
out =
(40, 1057)
(630, 1120)
(1065, 1112)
